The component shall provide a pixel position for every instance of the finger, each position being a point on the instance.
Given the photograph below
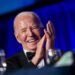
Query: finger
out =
(46, 33)
(48, 29)
(51, 27)
(48, 40)
(48, 37)
(42, 41)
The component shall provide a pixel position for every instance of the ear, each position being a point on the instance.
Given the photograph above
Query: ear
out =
(17, 37)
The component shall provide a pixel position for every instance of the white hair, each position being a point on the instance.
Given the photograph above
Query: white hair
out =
(25, 13)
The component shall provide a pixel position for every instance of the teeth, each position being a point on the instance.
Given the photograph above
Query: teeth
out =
(31, 40)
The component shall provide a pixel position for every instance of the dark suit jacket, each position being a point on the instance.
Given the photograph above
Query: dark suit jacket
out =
(19, 61)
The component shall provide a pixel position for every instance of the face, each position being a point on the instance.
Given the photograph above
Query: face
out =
(28, 33)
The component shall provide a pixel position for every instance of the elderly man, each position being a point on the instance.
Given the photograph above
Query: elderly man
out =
(37, 42)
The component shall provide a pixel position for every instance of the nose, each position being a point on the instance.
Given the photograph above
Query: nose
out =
(29, 32)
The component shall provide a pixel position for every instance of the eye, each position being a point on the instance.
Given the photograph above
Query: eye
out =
(34, 27)
(23, 30)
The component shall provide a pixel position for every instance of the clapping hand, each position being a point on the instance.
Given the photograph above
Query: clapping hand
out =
(47, 38)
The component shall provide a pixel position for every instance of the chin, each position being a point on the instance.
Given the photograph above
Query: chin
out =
(32, 48)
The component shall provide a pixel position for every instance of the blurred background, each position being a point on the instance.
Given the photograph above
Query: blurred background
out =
(60, 12)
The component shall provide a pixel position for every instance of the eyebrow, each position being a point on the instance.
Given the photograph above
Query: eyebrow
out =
(23, 29)
(35, 25)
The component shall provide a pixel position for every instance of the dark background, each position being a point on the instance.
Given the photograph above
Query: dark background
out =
(60, 12)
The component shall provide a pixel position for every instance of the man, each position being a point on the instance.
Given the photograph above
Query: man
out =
(30, 33)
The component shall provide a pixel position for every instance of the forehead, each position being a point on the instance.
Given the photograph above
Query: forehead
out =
(26, 21)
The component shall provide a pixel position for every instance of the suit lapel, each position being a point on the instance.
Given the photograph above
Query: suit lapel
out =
(22, 59)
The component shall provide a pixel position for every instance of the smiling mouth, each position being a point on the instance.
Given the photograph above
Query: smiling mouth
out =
(31, 41)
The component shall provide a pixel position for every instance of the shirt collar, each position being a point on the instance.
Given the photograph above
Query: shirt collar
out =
(25, 51)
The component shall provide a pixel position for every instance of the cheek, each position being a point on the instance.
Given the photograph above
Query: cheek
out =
(38, 34)
(41, 32)
(23, 38)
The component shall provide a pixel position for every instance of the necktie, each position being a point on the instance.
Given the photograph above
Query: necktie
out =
(30, 55)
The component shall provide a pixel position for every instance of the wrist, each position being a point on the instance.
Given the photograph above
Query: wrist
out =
(35, 60)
